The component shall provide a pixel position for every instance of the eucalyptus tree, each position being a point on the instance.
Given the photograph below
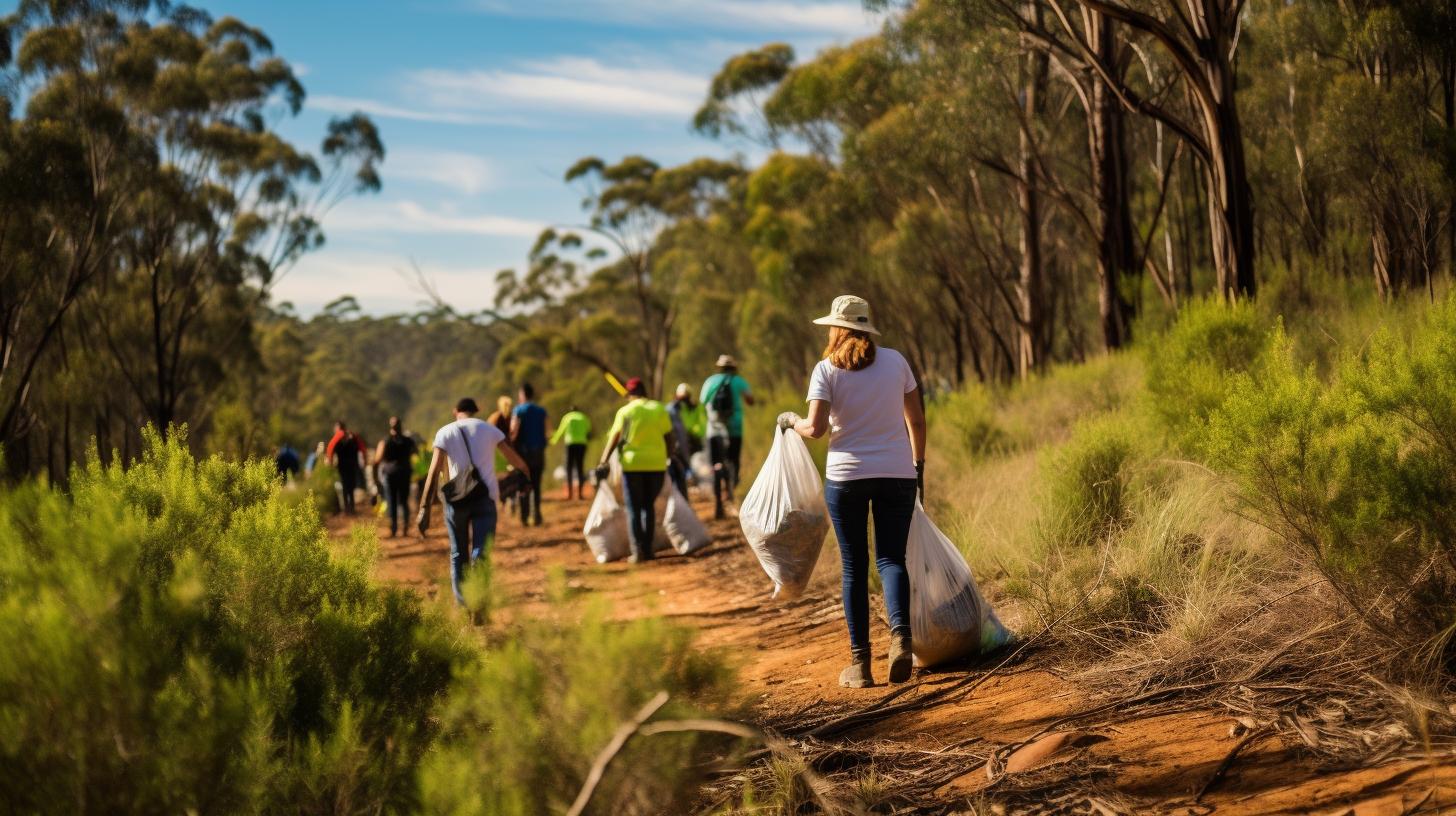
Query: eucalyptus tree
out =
(159, 206)
(1201, 39)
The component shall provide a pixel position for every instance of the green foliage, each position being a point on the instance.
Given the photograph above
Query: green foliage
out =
(539, 709)
(177, 638)
(1087, 482)
(971, 414)
(1191, 367)
(1358, 475)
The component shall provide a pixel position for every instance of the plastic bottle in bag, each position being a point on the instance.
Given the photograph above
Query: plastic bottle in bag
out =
(949, 618)
(784, 517)
(606, 526)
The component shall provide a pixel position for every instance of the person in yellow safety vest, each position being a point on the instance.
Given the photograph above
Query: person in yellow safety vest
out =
(575, 429)
(644, 432)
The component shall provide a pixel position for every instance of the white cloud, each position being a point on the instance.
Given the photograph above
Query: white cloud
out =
(384, 110)
(410, 217)
(382, 285)
(564, 85)
(463, 172)
(837, 17)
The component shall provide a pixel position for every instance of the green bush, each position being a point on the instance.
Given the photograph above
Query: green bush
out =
(1191, 368)
(524, 725)
(1086, 481)
(972, 416)
(1358, 475)
(175, 638)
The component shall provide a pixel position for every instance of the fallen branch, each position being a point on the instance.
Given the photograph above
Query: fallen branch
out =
(639, 725)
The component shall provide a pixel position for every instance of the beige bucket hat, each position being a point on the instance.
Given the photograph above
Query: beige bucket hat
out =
(726, 361)
(849, 312)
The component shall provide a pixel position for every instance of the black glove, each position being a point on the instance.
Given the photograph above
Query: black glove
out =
(920, 479)
(601, 473)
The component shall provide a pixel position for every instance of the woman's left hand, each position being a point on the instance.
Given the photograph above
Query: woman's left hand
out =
(788, 420)
(920, 478)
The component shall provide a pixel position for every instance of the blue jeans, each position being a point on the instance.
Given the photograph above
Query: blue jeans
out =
(850, 504)
(640, 490)
(471, 525)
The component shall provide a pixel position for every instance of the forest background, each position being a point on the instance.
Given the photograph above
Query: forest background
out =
(1012, 184)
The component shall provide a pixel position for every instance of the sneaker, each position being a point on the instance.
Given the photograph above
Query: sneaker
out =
(857, 674)
(901, 658)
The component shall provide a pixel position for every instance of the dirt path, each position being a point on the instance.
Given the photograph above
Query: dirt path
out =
(789, 657)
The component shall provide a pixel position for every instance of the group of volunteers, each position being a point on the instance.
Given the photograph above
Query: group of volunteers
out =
(862, 395)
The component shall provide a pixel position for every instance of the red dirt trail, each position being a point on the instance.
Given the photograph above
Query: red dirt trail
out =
(789, 655)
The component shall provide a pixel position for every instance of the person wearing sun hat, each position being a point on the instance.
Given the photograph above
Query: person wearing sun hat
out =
(644, 432)
(866, 398)
(724, 395)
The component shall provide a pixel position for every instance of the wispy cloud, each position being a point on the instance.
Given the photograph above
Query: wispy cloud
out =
(463, 172)
(410, 217)
(385, 110)
(788, 17)
(567, 85)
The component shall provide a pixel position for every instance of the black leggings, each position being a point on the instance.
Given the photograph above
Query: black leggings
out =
(575, 467)
(536, 461)
(397, 497)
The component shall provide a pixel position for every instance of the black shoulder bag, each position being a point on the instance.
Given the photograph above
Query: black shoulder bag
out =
(466, 486)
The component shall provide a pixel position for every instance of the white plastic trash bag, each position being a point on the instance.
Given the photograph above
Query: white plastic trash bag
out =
(684, 530)
(783, 515)
(948, 617)
(606, 526)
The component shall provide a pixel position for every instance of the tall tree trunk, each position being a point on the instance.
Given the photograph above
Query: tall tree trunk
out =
(1230, 202)
(1116, 251)
(1031, 291)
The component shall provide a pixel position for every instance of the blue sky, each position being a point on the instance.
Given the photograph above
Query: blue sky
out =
(483, 104)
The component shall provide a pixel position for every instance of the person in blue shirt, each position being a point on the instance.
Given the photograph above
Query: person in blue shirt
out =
(528, 437)
(724, 395)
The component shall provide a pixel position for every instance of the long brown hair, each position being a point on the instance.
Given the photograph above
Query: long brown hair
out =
(849, 349)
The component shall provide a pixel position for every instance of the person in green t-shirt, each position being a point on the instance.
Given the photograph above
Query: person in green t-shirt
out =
(643, 431)
(724, 395)
(575, 429)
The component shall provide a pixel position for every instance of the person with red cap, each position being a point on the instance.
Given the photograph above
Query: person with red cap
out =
(643, 431)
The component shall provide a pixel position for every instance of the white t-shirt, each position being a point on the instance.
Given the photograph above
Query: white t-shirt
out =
(867, 434)
(484, 437)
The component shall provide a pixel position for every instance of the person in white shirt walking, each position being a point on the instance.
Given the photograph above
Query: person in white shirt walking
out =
(867, 400)
(467, 447)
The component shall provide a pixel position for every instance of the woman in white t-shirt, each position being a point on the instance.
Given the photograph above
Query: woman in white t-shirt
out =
(867, 400)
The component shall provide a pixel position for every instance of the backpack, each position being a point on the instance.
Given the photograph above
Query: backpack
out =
(722, 403)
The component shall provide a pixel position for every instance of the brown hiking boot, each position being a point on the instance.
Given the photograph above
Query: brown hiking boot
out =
(857, 674)
(901, 660)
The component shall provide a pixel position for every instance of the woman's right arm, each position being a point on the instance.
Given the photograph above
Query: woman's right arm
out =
(816, 424)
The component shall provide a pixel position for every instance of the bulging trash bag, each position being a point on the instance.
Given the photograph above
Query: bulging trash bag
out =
(606, 527)
(684, 530)
(948, 617)
(783, 516)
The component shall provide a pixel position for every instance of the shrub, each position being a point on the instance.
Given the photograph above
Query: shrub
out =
(1191, 368)
(176, 638)
(1359, 475)
(1086, 481)
(523, 725)
(972, 418)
